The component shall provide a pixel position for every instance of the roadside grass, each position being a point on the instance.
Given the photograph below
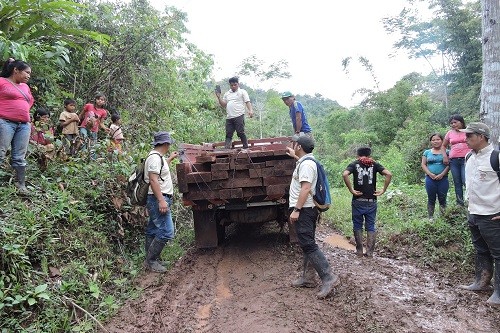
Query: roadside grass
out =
(72, 249)
(404, 231)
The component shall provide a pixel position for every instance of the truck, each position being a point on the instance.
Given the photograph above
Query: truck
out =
(225, 186)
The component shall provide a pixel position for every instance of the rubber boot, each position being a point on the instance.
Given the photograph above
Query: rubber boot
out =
(306, 280)
(244, 140)
(358, 237)
(442, 210)
(21, 179)
(147, 244)
(227, 144)
(484, 273)
(370, 243)
(154, 251)
(430, 211)
(328, 279)
(495, 298)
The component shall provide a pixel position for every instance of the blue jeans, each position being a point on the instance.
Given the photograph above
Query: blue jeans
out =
(485, 234)
(364, 211)
(305, 226)
(14, 136)
(160, 225)
(437, 188)
(457, 167)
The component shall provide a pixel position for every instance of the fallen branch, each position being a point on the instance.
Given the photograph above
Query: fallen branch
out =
(86, 312)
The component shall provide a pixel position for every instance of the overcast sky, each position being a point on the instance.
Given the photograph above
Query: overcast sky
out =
(313, 36)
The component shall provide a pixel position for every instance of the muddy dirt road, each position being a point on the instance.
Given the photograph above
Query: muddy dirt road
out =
(244, 286)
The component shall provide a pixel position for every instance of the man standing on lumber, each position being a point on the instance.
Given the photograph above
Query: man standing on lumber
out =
(234, 101)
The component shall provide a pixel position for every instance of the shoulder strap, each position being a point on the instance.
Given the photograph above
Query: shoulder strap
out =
(311, 159)
(467, 156)
(162, 163)
(19, 89)
(494, 161)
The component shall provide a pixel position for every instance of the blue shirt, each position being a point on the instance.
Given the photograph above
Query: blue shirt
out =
(434, 162)
(297, 107)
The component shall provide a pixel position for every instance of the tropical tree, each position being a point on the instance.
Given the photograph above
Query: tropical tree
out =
(490, 89)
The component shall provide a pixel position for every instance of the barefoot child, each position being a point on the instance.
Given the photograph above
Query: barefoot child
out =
(116, 134)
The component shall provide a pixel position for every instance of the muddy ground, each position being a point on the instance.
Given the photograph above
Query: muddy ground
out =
(244, 286)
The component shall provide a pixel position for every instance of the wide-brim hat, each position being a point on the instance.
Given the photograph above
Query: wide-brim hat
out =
(161, 138)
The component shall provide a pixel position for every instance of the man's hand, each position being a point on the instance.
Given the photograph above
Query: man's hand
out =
(162, 206)
(290, 152)
(294, 216)
(250, 114)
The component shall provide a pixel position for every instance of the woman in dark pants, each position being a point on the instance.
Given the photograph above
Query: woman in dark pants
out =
(458, 149)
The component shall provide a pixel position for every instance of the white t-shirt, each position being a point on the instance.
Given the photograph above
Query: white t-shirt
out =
(153, 164)
(482, 184)
(305, 171)
(235, 102)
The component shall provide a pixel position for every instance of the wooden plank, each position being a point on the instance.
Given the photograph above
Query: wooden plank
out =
(289, 163)
(249, 192)
(236, 193)
(218, 175)
(222, 160)
(205, 158)
(201, 195)
(199, 177)
(276, 180)
(182, 170)
(219, 166)
(239, 182)
(274, 190)
(255, 173)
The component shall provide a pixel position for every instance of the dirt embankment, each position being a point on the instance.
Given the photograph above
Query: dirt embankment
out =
(244, 286)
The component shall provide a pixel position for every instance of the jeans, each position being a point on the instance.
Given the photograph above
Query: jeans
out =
(364, 211)
(14, 135)
(485, 234)
(306, 229)
(457, 167)
(437, 188)
(160, 225)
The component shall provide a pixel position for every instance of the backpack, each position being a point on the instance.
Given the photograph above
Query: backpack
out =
(495, 164)
(137, 187)
(321, 198)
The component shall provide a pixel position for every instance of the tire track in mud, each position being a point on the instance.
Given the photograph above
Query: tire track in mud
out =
(244, 286)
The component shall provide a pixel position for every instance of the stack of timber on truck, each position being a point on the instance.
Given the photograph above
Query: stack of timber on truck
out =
(225, 186)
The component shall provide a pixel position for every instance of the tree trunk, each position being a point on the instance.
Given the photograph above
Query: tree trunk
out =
(490, 89)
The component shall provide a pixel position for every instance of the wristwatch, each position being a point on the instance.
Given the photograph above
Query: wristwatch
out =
(295, 209)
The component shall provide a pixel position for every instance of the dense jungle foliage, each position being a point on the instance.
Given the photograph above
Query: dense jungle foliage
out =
(71, 250)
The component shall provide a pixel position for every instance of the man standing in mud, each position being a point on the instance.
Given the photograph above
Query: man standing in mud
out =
(483, 193)
(304, 216)
(364, 197)
(234, 101)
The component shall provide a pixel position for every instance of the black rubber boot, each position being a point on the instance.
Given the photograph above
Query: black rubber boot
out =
(328, 279)
(154, 251)
(484, 273)
(495, 298)
(21, 179)
(430, 211)
(228, 144)
(306, 280)
(244, 141)
(358, 237)
(370, 243)
(442, 210)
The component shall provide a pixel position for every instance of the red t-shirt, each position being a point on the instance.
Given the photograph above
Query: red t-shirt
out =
(13, 104)
(98, 114)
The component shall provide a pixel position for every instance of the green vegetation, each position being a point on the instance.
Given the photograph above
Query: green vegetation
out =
(70, 252)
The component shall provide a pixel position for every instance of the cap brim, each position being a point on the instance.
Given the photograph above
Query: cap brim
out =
(467, 130)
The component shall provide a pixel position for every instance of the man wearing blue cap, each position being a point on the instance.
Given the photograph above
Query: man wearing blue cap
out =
(297, 114)
(160, 228)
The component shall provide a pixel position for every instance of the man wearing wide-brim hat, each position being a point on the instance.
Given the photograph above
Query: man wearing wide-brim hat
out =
(160, 228)
(483, 194)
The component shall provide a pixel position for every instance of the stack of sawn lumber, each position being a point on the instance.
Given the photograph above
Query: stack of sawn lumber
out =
(262, 172)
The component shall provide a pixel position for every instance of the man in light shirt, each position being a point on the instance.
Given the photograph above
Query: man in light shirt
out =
(235, 101)
(483, 193)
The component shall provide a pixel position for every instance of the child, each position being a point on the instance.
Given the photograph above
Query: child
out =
(69, 121)
(92, 118)
(116, 134)
(364, 197)
(42, 136)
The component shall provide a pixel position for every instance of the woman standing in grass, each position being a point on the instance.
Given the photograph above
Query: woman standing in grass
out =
(458, 149)
(436, 174)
